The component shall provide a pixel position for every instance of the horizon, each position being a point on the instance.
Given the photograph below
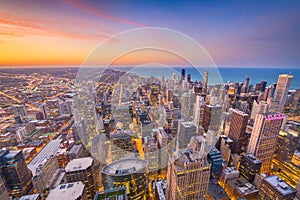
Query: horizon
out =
(126, 66)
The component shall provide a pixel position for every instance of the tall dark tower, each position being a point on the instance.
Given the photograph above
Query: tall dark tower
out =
(182, 74)
(246, 83)
(263, 85)
(245, 88)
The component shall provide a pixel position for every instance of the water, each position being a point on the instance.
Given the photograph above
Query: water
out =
(256, 75)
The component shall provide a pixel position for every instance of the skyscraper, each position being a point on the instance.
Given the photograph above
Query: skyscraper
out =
(130, 173)
(187, 130)
(43, 109)
(237, 130)
(295, 107)
(246, 85)
(188, 177)
(205, 81)
(83, 169)
(259, 108)
(182, 74)
(264, 137)
(198, 110)
(214, 157)
(20, 110)
(225, 147)
(188, 78)
(282, 89)
(249, 167)
(212, 117)
(15, 173)
(263, 85)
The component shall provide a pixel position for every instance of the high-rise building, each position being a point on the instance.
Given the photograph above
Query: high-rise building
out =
(152, 155)
(130, 173)
(246, 84)
(237, 131)
(44, 111)
(273, 105)
(205, 82)
(188, 177)
(295, 107)
(264, 137)
(121, 144)
(44, 166)
(83, 169)
(214, 157)
(227, 174)
(186, 132)
(282, 89)
(186, 106)
(20, 110)
(69, 191)
(45, 174)
(240, 188)
(212, 117)
(261, 107)
(263, 85)
(287, 144)
(273, 187)
(249, 167)
(182, 74)
(188, 78)
(198, 110)
(225, 147)
(3, 191)
(15, 173)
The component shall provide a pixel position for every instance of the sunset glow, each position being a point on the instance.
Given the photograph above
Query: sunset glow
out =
(63, 32)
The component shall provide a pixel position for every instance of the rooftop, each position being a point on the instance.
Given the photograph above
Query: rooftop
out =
(243, 186)
(12, 154)
(188, 124)
(69, 191)
(79, 164)
(215, 190)
(75, 149)
(252, 158)
(124, 167)
(239, 112)
(49, 150)
(281, 186)
(230, 170)
(30, 197)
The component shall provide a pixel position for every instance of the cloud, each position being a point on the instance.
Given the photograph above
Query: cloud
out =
(14, 26)
(97, 12)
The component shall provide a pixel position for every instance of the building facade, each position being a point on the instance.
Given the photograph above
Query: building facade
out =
(188, 177)
(264, 138)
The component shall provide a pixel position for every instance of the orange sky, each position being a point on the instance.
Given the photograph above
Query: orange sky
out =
(64, 32)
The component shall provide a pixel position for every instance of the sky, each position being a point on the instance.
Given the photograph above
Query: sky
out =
(234, 33)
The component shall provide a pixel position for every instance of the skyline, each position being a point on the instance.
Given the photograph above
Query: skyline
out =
(63, 32)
